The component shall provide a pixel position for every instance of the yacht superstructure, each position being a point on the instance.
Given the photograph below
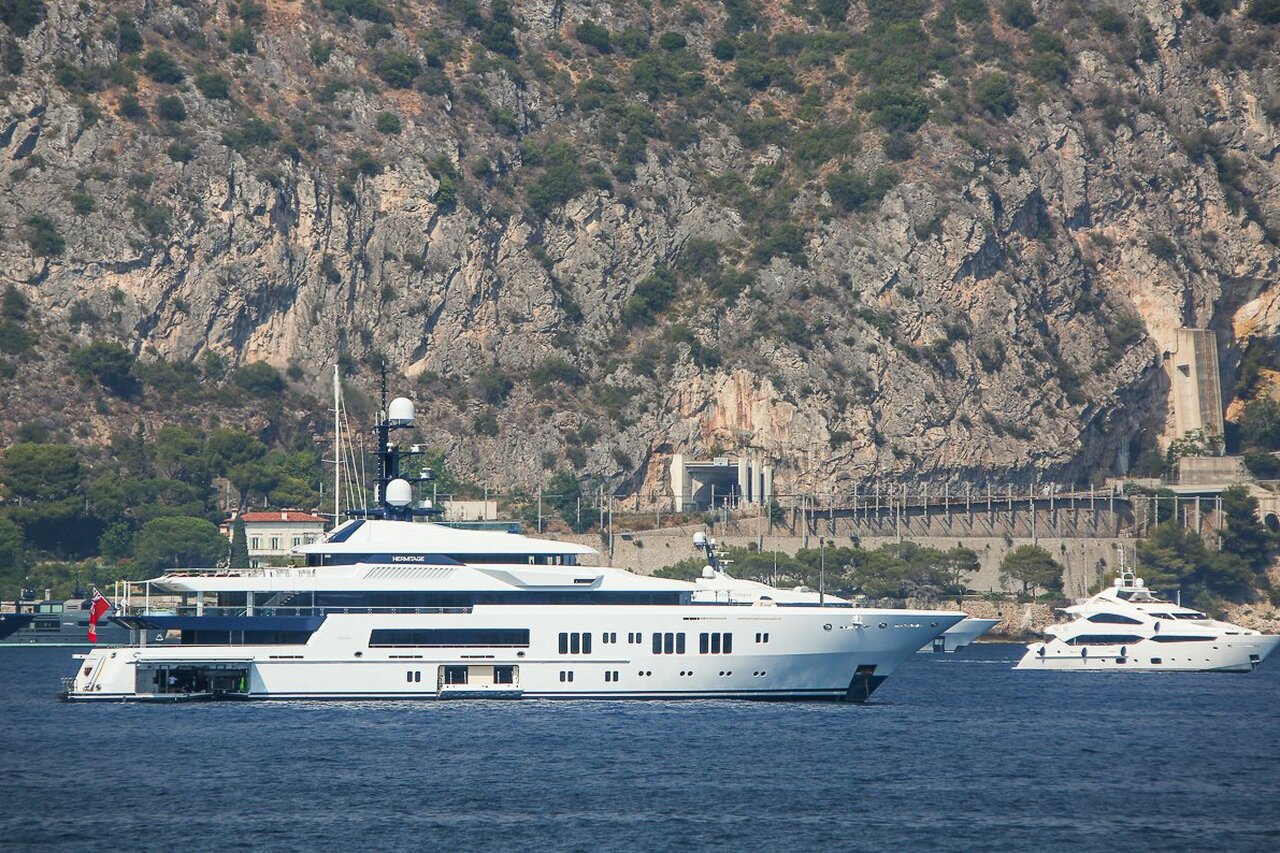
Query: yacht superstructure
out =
(1127, 627)
(392, 607)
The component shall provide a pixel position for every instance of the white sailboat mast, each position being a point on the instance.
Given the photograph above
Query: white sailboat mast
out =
(337, 448)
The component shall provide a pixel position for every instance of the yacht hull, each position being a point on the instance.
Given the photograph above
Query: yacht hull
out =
(777, 653)
(961, 635)
(1225, 654)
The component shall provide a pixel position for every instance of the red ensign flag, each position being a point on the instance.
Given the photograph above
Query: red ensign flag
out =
(98, 606)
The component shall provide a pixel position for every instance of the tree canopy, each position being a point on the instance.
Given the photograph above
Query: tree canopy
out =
(1033, 567)
(177, 542)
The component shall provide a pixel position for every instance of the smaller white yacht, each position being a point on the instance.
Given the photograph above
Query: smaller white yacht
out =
(1127, 627)
(961, 635)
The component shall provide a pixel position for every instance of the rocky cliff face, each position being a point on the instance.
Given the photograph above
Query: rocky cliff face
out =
(712, 227)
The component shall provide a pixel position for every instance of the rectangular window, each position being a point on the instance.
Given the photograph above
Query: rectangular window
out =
(679, 644)
(408, 676)
(297, 540)
(566, 675)
(704, 645)
(586, 644)
(417, 676)
(275, 543)
(575, 644)
(504, 675)
(668, 644)
(564, 643)
(657, 644)
(255, 542)
(440, 637)
(728, 644)
(715, 644)
(455, 675)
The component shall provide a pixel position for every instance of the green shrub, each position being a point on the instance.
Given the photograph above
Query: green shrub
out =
(154, 218)
(81, 202)
(560, 181)
(672, 41)
(895, 107)
(162, 67)
(242, 41)
(43, 237)
(388, 123)
(555, 369)
(259, 379)
(652, 294)
(366, 10)
(1018, 13)
(854, 192)
(107, 363)
(131, 108)
(396, 68)
(180, 152)
(22, 16)
(171, 108)
(1265, 11)
(593, 35)
(320, 51)
(214, 85)
(994, 93)
(364, 163)
(253, 133)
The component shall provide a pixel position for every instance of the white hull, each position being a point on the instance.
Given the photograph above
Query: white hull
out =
(1232, 653)
(811, 653)
(961, 635)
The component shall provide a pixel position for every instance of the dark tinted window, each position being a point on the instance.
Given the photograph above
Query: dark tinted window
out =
(1114, 618)
(430, 637)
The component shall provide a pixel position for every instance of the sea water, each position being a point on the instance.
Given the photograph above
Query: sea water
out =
(954, 752)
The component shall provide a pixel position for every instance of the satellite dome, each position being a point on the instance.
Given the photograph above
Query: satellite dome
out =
(401, 412)
(399, 492)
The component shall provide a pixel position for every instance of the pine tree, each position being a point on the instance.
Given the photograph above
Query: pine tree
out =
(239, 545)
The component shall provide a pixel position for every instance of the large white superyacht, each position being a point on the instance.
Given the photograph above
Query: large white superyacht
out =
(1128, 628)
(392, 607)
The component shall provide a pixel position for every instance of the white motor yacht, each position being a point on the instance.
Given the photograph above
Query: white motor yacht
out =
(1127, 627)
(392, 606)
(961, 635)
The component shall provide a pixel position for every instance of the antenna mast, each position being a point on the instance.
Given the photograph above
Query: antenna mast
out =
(337, 447)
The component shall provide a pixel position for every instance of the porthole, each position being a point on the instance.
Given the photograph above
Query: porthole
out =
(884, 624)
(826, 627)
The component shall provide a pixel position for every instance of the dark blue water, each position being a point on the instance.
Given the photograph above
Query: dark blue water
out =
(956, 752)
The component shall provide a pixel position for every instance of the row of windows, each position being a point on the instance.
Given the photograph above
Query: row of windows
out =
(438, 637)
(429, 599)
(668, 644)
(762, 638)
(566, 675)
(611, 675)
(715, 644)
(1126, 639)
(413, 677)
(575, 643)
(255, 542)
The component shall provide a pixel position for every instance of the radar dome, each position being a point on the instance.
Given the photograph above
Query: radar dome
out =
(399, 492)
(401, 412)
